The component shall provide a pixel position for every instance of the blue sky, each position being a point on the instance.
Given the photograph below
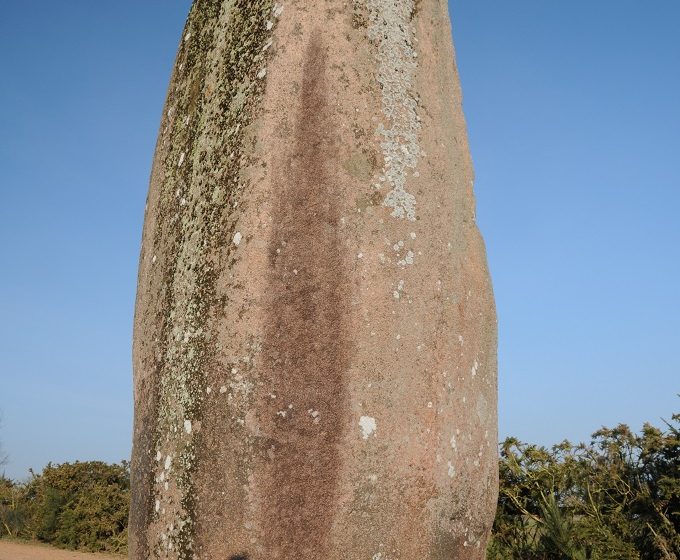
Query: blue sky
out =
(574, 126)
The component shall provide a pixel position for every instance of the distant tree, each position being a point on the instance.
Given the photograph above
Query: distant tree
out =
(3, 456)
(8, 500)
(12, 508)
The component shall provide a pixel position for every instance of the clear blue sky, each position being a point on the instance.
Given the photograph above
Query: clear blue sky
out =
(574, 122)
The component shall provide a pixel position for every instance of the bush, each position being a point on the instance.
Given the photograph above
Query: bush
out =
(617, 498)
(73, 505)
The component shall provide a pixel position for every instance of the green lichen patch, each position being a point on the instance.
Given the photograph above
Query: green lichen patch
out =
(359, 166)
(219, 77)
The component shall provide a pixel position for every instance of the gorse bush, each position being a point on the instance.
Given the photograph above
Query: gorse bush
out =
(73, 505)
(616, 498)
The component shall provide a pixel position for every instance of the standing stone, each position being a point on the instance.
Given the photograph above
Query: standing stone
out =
(315, 334)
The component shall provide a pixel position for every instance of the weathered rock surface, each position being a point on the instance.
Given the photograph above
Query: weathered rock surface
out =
(315, 334)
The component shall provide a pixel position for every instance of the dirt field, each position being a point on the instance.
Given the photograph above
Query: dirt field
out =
(12, 550)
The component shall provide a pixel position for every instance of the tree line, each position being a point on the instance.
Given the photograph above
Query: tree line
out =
(615, 498)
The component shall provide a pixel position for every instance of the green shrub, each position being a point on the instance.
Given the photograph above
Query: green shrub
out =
(617, 498)
(82, 505)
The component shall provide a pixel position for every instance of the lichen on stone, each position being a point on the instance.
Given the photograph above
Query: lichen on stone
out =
(212, 100)
(368, 426)
(389, 28)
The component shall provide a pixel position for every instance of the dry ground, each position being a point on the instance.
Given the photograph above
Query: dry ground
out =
(13, 550)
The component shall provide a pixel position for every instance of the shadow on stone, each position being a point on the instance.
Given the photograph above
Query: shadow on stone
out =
(241, 556)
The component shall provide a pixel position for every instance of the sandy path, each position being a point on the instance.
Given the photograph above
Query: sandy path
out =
(11, 550)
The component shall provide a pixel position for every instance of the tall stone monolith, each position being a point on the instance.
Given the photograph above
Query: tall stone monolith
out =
(315, 335)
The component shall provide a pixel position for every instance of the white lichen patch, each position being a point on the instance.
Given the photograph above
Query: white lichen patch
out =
(400, 288)
(368, 426)
(390, 29)
(475, 366)
(187, 426)
(407, 260)
(452, 470)
(241, 385)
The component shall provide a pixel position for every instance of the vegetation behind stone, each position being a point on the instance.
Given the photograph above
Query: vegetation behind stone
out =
(616, 498)
(82, 505)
